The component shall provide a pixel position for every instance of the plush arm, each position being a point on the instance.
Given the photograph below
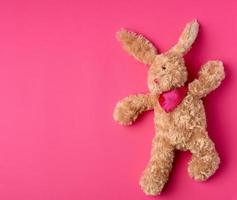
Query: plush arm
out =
(210, 77)
(128, 109)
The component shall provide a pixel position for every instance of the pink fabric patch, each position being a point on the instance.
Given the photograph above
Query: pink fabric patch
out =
(171, 99)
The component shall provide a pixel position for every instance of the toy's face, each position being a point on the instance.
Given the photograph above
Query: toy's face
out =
(168, 71)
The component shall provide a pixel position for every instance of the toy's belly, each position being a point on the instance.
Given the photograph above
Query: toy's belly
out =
(187, 117)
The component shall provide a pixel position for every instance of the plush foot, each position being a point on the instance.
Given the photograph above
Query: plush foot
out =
(201, 169)
(153, 179)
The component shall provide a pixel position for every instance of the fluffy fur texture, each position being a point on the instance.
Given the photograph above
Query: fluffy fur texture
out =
(185, 127)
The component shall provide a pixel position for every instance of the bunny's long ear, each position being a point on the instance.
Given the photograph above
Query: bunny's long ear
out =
(187, 38)
(137, 46)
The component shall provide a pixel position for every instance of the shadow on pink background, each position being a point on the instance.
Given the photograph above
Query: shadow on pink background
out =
(61, 73)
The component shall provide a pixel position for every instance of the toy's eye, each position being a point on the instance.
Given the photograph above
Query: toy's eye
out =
(163, 67)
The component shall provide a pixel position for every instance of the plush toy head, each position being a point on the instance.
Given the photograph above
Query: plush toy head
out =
(167, 70)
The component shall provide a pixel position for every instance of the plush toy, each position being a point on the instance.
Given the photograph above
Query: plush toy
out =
(180, 121)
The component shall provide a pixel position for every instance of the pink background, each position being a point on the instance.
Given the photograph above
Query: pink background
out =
(61, 73)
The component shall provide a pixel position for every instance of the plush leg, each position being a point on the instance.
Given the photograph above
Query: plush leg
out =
(205, 159)
(157, 171)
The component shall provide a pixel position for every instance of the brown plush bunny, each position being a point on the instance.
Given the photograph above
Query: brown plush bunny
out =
(180, 121)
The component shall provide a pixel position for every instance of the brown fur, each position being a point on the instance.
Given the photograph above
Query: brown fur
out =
(185, 127)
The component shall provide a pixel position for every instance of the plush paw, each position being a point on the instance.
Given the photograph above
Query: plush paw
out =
(213, 70)
(201, 169)
(210, 77)
(125, 112)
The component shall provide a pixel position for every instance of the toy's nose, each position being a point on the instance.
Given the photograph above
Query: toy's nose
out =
(156, 80)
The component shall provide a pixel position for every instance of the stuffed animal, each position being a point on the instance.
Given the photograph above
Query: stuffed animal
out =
(180, 121)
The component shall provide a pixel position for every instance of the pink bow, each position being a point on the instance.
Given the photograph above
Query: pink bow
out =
(171, 99)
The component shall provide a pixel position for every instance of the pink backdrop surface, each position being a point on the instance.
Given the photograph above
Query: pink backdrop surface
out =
(61, 73)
